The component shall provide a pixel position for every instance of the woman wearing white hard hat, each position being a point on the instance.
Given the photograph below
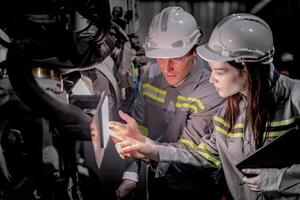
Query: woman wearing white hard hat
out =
(261, 105)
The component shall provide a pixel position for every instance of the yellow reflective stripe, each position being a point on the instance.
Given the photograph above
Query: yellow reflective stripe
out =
(284, 122)
(191, 99)
(275, 133)
(226, 124)
(207, 155)
(143, 130)
(222, 121)
(188, 106)
(188, 143)
(239, 125)
(236, 135)
(151, 87)
(159, 99)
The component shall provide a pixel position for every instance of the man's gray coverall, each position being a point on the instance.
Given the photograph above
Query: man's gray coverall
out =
(165, 112)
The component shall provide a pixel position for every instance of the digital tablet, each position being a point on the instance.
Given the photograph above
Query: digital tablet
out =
(281, 152)
(99, 129)
(102, 119)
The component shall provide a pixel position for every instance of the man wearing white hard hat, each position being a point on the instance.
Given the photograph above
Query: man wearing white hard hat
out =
(175, 98)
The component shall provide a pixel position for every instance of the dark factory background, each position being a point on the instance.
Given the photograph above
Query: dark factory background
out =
(59, 99)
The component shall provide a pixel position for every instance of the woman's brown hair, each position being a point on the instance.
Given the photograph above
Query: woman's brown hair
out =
(259, 99)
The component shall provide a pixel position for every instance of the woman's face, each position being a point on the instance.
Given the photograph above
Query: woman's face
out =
(227, 79)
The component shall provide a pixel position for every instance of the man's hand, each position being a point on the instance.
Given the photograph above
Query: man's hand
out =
(265, 180)
(126, 187)
(129, 129)
(130, 143)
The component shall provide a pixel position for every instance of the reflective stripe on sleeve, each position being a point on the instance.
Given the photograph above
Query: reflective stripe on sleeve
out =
(278, 128)
(284, 122)
(205, 153)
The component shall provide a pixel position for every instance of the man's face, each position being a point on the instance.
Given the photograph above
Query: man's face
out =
(227, 79)
(176, 69)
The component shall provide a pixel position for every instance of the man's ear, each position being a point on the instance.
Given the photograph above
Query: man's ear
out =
(194, 54)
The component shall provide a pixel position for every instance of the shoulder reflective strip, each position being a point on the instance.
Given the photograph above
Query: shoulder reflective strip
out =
(143, 130)
(284, 122)
(207, 155)
(159, 99)
(226, 124)
(236, 135)
(275, 133)
(151, 87)
(188, 106)
(199, 103)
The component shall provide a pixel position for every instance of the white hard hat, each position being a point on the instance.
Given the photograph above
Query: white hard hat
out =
(239, 37)
(172, 34)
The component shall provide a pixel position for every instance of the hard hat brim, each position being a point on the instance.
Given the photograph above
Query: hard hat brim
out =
(167, 53)
(210, 56)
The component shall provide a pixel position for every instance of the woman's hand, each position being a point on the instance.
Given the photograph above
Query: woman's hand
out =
(265, 180)
(128, 147)
(129, 129)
